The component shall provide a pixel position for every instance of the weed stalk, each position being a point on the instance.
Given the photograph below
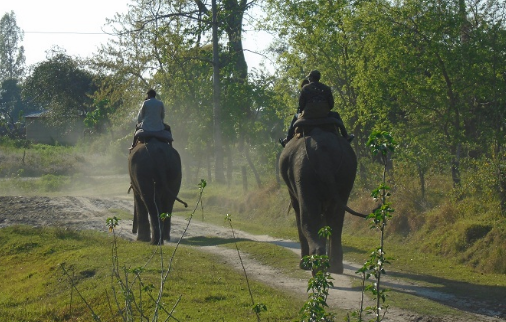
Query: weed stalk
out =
(257, 308)
(382, 144)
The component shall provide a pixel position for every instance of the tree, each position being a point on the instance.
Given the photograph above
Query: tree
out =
(11, 107)
(60, 86)
(12, 58)
(165, 45)
(419, 69)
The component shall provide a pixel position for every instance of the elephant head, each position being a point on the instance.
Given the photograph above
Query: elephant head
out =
(155, 176)
(319, 170)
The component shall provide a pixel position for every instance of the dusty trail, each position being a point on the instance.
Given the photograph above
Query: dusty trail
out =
(91, 213)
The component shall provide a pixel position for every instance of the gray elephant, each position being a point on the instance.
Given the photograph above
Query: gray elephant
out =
(155, 176)
(319, 169)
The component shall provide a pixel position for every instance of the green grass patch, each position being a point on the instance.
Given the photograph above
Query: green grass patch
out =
(427, 270)
(264, 211)
(34, 287)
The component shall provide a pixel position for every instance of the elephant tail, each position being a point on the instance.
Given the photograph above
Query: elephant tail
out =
(353, 212)
(173, 195)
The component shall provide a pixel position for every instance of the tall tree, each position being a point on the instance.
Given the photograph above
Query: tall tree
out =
(166, 43)
(11, 107)
(60, 86)
(12, 57)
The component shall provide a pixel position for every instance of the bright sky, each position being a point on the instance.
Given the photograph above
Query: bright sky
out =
(75, 26)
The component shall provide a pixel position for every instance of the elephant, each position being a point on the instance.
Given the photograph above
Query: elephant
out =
(155, 177)
(319, 170)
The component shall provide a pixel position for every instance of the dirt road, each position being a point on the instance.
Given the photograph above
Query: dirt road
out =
(91, 213)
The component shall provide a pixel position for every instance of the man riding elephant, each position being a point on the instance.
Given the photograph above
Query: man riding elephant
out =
(150, 120)
(316, 101)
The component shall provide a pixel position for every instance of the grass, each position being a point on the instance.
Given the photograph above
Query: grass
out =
(451, 238)
(424, 268)
(429, 271)
(264, 212)
(35, 289)
(57, 185)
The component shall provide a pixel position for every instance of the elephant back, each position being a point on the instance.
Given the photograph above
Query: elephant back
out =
(323, 157)
(154, 160)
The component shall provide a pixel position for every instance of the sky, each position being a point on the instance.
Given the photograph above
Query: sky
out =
(77, 26)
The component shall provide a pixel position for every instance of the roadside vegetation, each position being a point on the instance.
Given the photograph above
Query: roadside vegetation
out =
(415, 238)
(36, 288)
(417, 70)
(463, 225)
(431, 73)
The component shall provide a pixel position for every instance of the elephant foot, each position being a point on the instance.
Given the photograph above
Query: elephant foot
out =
(143, 238)
(156, 242)
(336, 269)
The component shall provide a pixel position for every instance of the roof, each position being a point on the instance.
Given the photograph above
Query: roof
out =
(36, 114)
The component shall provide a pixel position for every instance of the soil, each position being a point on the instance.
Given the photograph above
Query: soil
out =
(90, 213)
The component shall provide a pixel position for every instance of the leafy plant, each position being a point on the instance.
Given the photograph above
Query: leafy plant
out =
(319, 285)
(128, 299)
(382, 144)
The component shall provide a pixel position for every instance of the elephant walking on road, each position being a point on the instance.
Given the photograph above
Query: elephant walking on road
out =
(319, 170)
(155, 174)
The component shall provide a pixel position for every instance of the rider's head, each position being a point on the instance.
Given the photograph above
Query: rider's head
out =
(151, 93)
(314, 76)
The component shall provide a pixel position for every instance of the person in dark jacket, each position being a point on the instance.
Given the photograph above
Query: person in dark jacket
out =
(315, 101)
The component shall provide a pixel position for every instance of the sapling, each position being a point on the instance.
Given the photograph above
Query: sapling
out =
(381, 143)
(319, 285)
(131, 303)
(259, 307)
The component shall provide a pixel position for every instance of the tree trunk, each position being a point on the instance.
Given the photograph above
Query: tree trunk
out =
(278, 177)
(421, 176)
(502, 187)
(218, 144)
(209, 172)
(187, 167)
(230, 165)
(456, 166)
(252, 166)
(244, 179)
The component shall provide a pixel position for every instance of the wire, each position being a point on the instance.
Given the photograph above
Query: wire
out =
(66, 32)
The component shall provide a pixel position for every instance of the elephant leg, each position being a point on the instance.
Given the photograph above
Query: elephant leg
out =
(135, 224)
(304, 247)
(336, 220)
(156, 225)
(151, 203)
(141, 217)
(166, 229)
(311, 221)
(167, 207)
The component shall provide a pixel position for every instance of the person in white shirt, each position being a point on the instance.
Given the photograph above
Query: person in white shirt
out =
(151, 114)
(150, 121)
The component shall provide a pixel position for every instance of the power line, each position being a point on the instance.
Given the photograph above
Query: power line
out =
(66, 32)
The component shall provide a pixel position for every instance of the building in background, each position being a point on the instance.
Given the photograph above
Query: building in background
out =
(40, 130)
